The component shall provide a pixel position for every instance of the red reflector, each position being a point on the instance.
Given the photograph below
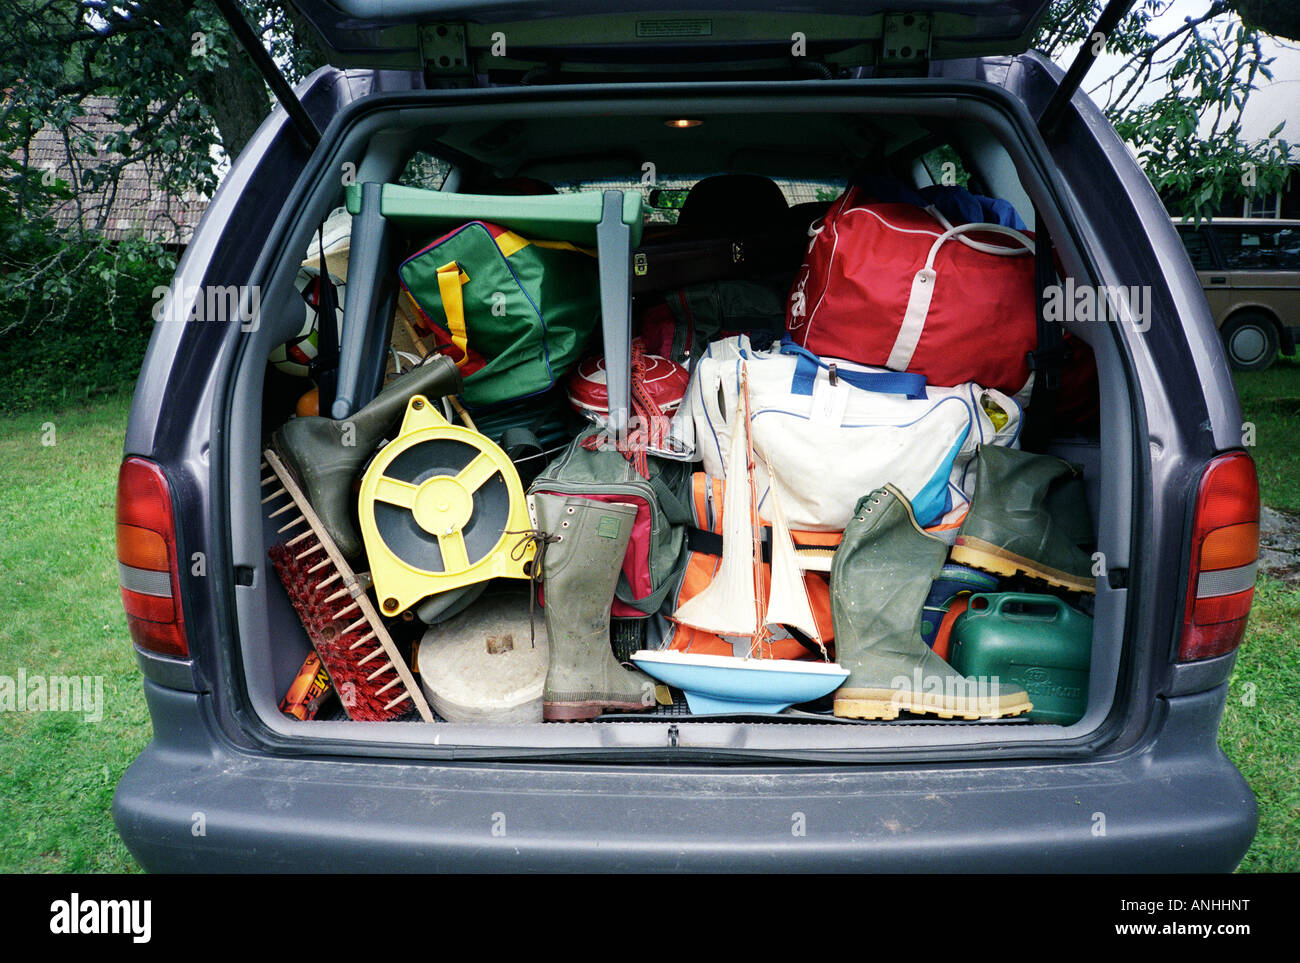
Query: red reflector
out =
(1225, 535)
(146, 544)
(166, 639)
(1222, 608)
(151, 608)
(1206, 641)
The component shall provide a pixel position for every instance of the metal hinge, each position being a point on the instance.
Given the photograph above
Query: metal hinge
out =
(906, 42)
(443, 50)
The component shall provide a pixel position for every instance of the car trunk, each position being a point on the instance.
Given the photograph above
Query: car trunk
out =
(811, 136)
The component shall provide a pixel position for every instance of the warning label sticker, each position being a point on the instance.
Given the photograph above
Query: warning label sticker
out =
(674, 28)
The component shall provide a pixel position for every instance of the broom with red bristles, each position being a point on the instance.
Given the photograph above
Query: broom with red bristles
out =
(365, 668)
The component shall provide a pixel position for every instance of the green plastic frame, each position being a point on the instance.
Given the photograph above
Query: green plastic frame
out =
(553, 217)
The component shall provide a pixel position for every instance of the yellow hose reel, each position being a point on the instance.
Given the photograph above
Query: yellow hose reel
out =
(441, 507)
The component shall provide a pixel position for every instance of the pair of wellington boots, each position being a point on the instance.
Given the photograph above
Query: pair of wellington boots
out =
(1028, 516)
(580, 568)
(325, 456)
(880, 576)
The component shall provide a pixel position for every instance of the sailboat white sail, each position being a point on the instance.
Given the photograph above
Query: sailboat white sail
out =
(787, 602)
(729, 605)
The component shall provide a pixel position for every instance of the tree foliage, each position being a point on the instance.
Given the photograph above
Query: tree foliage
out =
(182, 95)
(1178, 96)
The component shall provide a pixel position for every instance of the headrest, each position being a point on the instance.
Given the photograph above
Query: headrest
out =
(727, 204)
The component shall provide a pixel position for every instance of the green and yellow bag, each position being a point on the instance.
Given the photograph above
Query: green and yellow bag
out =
(514, 314)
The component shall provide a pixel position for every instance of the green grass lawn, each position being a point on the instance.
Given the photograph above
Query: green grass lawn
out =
(62, 616)
(1260, 731)
(1270, 401)
(1261, 722)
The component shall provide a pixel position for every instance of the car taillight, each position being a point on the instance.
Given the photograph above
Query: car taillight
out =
(1225, 551)
(147, 563)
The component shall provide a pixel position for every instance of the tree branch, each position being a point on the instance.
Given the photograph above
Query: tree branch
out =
(1217, 8)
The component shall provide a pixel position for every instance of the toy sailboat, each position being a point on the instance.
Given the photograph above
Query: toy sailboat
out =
(743, 605)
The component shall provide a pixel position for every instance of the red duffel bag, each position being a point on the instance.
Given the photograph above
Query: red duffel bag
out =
(898, 286)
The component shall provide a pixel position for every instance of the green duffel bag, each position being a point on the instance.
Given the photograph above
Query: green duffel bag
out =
(657, 551)
(514, 314)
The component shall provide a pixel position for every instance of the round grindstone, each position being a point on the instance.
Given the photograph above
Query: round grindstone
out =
(480, 666)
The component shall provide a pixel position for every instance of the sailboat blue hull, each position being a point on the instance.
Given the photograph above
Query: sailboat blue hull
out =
(722, 684)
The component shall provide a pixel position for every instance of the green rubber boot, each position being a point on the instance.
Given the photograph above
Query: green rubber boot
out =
(580, 571)
(1025, 517)
(325, 456)
(880, 576)
(1067, 503)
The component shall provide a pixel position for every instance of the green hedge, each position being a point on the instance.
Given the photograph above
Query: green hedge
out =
(79, 334)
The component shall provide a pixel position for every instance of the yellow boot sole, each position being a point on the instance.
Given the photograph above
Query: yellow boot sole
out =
(886, 704)
(983, 555)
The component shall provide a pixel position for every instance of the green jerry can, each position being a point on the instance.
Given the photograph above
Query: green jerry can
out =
(1035, 641)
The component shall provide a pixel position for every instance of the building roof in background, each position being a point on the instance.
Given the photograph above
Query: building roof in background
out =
(138, 206)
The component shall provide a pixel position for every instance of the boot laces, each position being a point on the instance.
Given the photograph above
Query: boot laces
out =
(539, 539)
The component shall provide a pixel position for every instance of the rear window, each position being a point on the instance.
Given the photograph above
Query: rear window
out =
(672, 190)
(1265, 249)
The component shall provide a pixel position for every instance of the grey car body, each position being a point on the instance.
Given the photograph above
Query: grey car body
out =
(1138, 784)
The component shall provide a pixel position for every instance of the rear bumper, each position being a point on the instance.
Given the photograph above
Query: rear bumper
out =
(189, 804)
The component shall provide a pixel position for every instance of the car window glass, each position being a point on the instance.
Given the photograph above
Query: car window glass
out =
(1198, 248)
(809, 191)
(796, 191)
(1286, 249)
(652, 214)
(945, 166)
(1264, 249)
(424, 171)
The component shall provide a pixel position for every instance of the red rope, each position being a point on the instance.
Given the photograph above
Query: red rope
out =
(652, 424)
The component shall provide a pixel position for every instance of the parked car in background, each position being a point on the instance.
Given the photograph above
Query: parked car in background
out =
(1250, 270)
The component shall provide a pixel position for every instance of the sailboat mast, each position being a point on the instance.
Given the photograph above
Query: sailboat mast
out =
(762, 633)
